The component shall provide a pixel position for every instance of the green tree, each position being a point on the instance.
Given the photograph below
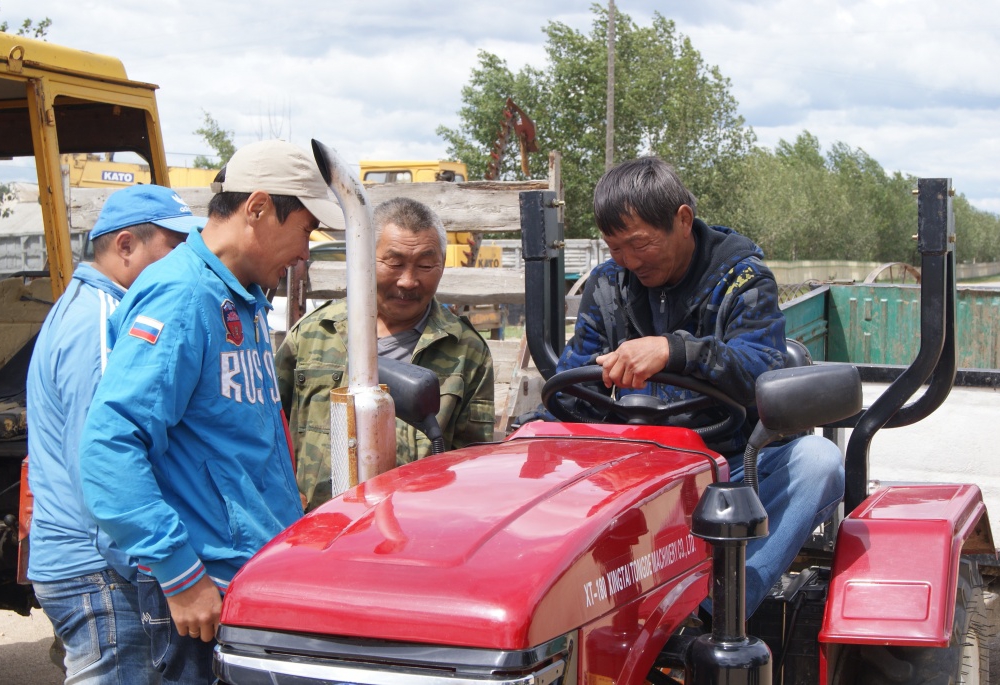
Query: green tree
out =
(219, 139)
(803, 204)
(667, 102)
(796, 202)
(29, 28)
(491, 84)
(793, 210)
(882, 211)
(6, 197)
(804, 153)
(977, 233)
(688, 117)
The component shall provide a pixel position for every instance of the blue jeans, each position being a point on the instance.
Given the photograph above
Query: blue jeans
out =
(97, 618)
(800, 484)
(180, 660)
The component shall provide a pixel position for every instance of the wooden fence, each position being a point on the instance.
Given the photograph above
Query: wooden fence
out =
(490, 207)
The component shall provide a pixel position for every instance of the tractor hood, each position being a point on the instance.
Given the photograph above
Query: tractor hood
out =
(476, 547)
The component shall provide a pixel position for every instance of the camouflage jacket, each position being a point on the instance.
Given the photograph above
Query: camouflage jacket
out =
(722, 321)
(313, 360)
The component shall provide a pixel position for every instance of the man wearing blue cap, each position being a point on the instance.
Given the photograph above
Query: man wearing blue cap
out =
(81, 579)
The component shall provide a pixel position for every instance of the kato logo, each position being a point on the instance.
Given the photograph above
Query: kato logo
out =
(118, 176)
(231, 317)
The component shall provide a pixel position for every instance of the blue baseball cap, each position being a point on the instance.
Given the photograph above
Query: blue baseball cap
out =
(146, 204)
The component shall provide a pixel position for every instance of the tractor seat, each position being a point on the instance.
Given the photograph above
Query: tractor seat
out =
(797, 355)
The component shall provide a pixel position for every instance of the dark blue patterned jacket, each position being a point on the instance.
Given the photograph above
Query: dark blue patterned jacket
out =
(721, 320)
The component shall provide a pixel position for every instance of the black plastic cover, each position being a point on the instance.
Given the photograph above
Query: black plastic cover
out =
(729, 512)
(415, 390)
(793, 400)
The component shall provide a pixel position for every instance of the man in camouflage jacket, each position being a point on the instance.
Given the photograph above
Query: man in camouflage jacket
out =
(696, 300)
(412, 326)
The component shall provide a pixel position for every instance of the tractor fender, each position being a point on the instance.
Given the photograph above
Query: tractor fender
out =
(673, 604)
(896, 564)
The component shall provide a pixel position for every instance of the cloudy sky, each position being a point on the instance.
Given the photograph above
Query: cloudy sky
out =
(912, 82)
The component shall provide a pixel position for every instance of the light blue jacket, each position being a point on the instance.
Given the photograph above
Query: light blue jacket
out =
(66, 365)
(185, 455)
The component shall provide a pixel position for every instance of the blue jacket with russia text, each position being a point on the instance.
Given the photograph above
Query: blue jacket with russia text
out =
(185, 455)
(66, 365)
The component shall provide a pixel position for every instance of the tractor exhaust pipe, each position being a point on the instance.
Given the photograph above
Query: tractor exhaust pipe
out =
(362, 416)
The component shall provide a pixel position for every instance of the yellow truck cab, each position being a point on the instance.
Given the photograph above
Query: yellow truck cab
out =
(412, 172)
(53, 101)
(461, 244)
(104, 171)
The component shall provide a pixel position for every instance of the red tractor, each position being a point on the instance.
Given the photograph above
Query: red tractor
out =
(579, 554)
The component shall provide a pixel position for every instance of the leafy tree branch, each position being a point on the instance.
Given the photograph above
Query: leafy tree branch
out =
(217, 138)
(29, 28)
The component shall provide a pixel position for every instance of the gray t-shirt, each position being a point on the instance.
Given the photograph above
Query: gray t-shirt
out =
(401, 345)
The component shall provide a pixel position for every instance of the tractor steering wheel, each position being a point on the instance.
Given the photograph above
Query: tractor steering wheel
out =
(642, 409)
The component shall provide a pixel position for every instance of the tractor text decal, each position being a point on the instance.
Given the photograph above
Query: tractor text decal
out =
(632, 573)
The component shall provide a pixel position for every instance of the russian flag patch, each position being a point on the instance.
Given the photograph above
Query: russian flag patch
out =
(146, 329)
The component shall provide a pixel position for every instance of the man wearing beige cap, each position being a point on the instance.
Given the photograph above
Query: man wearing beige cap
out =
(189, 408)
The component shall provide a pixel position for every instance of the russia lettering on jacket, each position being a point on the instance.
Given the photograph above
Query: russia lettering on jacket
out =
(241, 374)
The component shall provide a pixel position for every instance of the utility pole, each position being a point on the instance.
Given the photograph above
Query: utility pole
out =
(609, 142)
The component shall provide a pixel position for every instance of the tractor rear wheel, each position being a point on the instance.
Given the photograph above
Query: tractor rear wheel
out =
(965, 660)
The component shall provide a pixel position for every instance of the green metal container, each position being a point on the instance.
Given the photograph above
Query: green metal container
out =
(880, 324)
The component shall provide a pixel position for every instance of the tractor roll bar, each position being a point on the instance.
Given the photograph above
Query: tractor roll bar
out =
(936, 358)
(544, 279)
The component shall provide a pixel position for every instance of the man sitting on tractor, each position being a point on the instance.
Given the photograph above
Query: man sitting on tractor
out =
(687, 298)
(412, 327)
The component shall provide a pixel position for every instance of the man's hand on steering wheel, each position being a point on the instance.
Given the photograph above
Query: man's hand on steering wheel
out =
(637, 408)
(631, 365)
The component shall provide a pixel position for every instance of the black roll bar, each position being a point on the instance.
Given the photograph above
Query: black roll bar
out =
(936, 358)
(544, 278)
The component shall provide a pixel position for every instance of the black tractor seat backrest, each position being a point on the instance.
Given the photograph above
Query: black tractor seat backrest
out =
(798, 354)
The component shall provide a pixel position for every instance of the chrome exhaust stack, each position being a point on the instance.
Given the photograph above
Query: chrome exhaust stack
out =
(362, 415)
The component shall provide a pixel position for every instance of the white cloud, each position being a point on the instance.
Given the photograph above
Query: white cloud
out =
(910, 81)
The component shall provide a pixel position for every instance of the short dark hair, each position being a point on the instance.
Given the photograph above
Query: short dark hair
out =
(223, 205)
(412, 216)
(142, 232)
(646, 188)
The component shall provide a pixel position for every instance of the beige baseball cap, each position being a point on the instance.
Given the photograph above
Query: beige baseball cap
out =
(280, 168)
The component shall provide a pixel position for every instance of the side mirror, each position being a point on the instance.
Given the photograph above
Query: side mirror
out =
(416, 393)
(793, 400)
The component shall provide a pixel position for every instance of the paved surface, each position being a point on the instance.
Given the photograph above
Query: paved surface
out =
(955, 444)
(24, 650)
